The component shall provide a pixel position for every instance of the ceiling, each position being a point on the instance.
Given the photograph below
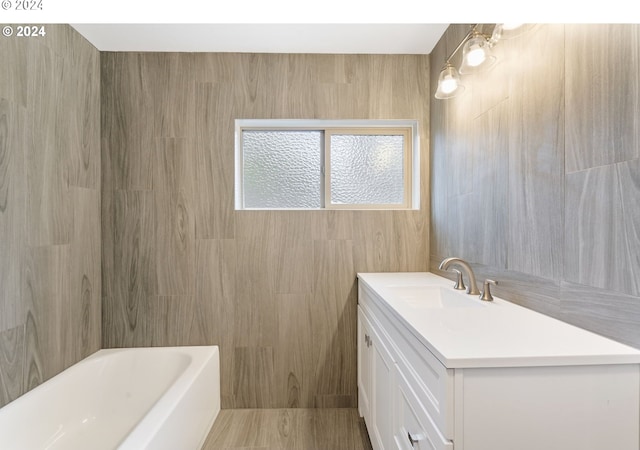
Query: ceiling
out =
(265, 38)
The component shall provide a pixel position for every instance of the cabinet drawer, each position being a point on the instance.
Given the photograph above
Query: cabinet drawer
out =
(431, 381)
(415, 430)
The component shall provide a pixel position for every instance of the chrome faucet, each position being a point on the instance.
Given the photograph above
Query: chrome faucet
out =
(473, 288)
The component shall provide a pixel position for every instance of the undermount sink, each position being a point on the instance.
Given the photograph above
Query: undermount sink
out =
(433, 297)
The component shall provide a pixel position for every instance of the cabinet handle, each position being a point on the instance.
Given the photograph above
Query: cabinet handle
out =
(415, 437)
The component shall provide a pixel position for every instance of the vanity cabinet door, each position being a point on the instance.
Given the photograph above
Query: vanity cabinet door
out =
(376, 378)
(364, 367)
(383, 386)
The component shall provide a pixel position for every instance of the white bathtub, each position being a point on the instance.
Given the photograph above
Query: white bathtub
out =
(126, 399)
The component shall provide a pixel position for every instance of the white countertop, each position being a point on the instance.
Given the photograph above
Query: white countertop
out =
(493, 334)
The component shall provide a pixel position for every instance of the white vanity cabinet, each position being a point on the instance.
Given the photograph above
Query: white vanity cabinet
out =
(487, 377)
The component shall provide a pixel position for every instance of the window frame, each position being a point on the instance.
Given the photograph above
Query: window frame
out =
(406, 128)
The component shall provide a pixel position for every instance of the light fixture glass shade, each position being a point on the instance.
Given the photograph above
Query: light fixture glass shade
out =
(448, 83)
(509, 30)
(497, 33)
(476, 54)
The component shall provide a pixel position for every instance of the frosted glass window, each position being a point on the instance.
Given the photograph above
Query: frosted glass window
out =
(367, 169)
(282, 169)
(317, 164)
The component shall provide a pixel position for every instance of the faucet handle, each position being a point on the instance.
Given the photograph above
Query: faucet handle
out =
(459, 281)
(486, 292)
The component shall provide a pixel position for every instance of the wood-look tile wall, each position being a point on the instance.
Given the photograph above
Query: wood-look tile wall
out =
(276, 290)
(50, 283)
(536, 173)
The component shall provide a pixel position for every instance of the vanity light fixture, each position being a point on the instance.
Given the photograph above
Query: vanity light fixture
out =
(476, 56)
